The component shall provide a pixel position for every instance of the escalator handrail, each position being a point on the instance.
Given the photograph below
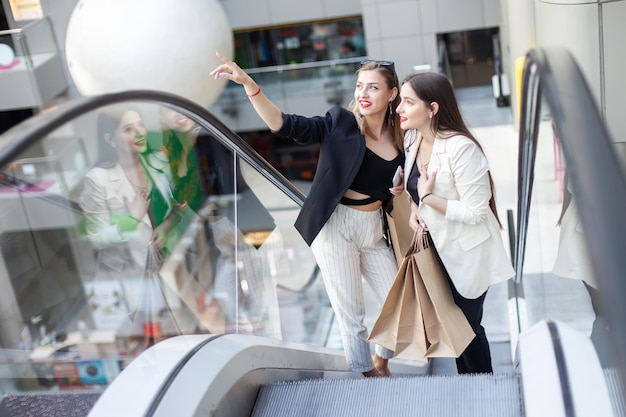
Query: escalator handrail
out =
(19, 138)
(530, 107)
(594, 173)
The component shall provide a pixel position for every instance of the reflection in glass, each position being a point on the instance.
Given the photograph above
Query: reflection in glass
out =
(559, 283)
(130, 225)
(572, 261)
(130, 217)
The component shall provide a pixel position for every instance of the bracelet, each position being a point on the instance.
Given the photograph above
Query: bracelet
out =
(255, 94)
(422, 199)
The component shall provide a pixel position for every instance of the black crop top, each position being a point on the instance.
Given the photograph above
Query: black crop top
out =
(374, 178)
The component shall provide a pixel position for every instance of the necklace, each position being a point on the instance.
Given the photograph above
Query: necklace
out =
(420, 153)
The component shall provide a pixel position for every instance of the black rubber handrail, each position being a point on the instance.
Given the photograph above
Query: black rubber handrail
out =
(21, 137)
(594, 173)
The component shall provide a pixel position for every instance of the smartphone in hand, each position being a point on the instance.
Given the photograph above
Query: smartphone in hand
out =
(397, 179)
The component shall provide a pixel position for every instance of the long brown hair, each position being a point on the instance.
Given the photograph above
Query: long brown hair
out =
(392, 120)
(447, 121)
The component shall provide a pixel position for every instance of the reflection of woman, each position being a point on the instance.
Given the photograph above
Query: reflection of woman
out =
(572, 261)
(447, 176)
(127, 196)
(253, 308)
(179, 138)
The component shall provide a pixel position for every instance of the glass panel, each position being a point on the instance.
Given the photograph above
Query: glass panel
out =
(266, 218)
(334, 79)
(39, 36)
(132, 224)
(299, 61)
(35, 42)
(557, 280)
(35, 75)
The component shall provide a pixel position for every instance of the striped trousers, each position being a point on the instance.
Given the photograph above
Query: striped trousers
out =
(349, 248)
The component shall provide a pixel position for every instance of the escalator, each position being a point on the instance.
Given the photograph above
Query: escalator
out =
(218, 337)
(83, 291)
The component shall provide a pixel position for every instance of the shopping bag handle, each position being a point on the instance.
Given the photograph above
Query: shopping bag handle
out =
(419, 242)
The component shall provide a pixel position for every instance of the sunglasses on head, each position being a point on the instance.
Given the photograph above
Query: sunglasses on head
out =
(379, 63)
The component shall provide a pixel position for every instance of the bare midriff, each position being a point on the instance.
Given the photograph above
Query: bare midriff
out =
(359, 196)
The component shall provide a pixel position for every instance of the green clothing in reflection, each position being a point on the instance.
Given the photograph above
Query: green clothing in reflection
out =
(187, 188)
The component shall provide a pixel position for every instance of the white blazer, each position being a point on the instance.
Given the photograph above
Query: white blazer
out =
(572, 258)
(102, 199)
(468, 238)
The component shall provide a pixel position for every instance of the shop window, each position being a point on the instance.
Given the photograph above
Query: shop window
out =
(295, 162)
(305, 42)
(471, 56)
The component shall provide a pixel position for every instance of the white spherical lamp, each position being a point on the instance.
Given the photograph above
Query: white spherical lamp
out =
(7, 56)
(166, 45)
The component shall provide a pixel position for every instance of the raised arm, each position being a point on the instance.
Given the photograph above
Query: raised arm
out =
(271, 115)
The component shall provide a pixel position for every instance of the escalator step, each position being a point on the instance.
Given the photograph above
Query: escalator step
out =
(497, 395)
(614, 385)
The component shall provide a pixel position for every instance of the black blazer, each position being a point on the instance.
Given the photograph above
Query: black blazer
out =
(342, 148)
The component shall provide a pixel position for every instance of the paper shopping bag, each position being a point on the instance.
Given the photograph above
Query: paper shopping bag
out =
(448, 332)
(397, 221)
(154, 318)
(419, 319)
(400, 324)
(411, 342)
(385, 330)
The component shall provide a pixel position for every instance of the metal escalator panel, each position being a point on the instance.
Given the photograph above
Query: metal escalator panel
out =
(434, 396)
(615, 389)
(569, 252)
(569, 256)
(241, 375)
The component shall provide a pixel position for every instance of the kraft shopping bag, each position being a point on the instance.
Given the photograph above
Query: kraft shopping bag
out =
(400, 324)
(419, 319)
(412, 342)
(447, 329)
(154, 318)
(385, 330)
(397, 221)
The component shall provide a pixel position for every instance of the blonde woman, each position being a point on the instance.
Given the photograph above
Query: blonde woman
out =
(342, 217)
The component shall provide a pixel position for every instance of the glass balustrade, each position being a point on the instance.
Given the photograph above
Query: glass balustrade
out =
(334, 80)
(556, 279)
(35, 74)
(132, 223)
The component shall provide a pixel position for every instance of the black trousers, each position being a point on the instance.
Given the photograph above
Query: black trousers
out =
(477, 356)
